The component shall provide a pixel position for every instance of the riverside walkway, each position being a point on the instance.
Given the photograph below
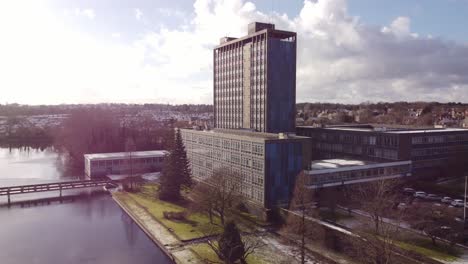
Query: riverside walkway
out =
(49, 187)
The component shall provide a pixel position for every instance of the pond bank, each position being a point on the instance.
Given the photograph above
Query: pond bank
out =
(185, 241)
(159, 234)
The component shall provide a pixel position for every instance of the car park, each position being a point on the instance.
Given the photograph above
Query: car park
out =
(446, 200)
(408, 190)
(402, 206)
(445, 228)
(433, 197)
(420, 194)
(460, 219)
(457, 203)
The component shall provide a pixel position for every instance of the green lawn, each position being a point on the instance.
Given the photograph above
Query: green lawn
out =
(197, 225)
(425, 247)
(206, 253)
(193, 228)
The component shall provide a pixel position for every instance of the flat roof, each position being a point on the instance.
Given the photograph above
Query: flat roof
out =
(341, 165)
(250, 134)
(436, 130)
(389, 130)
(278, 33)
(337, 163)
(121, 155)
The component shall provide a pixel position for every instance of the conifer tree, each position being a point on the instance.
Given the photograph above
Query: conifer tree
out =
(182, 163)
(176, 171)
(231, 247)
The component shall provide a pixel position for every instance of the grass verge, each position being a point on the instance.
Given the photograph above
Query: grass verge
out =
(195, 226)
(192, 228)
(426, 248)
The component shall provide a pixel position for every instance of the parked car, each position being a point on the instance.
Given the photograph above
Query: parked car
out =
(408, 190)
(446, 200)
(457, 203)
(420, 194)
(433, 197)
(459, 219)
(401, 206)
(445, 228)
(111, 185)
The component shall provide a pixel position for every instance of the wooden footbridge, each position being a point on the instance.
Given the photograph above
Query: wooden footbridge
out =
(49, 187)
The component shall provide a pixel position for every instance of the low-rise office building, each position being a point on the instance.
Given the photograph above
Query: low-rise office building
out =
(103, 164)
(267, 163)
(433, 152)
(339, 172)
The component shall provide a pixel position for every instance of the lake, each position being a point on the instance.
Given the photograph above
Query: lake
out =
(90, 229)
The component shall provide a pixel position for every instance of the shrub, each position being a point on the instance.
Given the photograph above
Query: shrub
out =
(178, 216)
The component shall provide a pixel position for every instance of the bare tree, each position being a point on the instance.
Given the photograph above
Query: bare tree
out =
(436, 222)
(203, 201)
(379, 199)
(301, 207)
(129, 160)
(251, 245)
(218, 194)
(88, 131)
(371, 248)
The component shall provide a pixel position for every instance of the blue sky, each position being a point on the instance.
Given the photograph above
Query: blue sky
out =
(160, 51)
(442, 18)
(445, 18)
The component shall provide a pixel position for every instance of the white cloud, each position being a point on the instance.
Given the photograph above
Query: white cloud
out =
(87, 12)
(400, 27)
(340, 59)
(138, 13)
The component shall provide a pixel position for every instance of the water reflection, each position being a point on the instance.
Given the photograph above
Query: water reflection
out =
(27, 165)
(131, 229)
(89, 230)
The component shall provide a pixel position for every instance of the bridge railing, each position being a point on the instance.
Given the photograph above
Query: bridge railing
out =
(55, 186)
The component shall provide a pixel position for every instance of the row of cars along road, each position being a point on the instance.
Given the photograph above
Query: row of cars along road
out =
(433, 197)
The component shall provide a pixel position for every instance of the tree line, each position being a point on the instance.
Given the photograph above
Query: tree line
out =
(101, 131)
(11, 110)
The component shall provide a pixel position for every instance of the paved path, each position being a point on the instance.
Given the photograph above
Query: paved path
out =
(463, 259)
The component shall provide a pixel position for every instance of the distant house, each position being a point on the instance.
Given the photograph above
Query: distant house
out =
(447, 122)
(465, 123)
(300, 121)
